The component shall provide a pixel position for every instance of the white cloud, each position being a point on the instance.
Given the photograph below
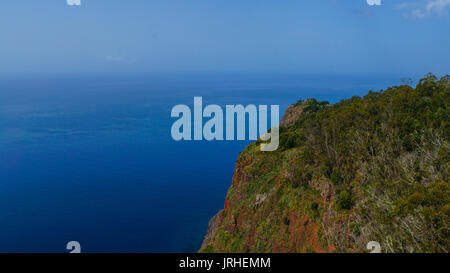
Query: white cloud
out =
(425, 8)
(437, 6)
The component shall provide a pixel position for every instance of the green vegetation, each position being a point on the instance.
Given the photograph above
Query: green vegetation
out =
(345, 200)
(374, 168)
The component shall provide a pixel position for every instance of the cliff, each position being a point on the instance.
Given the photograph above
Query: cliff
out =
(365, 169)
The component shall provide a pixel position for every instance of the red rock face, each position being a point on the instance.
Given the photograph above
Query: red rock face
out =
(300, 234)
(214, 223)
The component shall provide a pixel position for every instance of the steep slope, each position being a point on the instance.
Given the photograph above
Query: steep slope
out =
(364, 169)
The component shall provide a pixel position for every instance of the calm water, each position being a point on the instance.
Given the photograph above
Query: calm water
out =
(92, 159)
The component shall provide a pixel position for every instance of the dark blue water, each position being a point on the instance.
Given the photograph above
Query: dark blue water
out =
(92, 159)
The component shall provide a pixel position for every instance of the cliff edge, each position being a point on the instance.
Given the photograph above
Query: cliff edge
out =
(365, 169)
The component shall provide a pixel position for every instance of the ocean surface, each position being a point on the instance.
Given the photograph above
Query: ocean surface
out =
(91, 159)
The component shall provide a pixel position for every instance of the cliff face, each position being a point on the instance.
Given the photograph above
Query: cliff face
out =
(366, 169)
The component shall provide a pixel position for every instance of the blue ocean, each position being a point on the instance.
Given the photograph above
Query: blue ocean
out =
(91, 159)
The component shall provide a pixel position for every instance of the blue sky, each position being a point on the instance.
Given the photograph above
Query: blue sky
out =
(400, 37)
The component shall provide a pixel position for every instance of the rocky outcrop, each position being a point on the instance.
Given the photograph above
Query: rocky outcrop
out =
(213, 224)
(291, 115)
(294, 112)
